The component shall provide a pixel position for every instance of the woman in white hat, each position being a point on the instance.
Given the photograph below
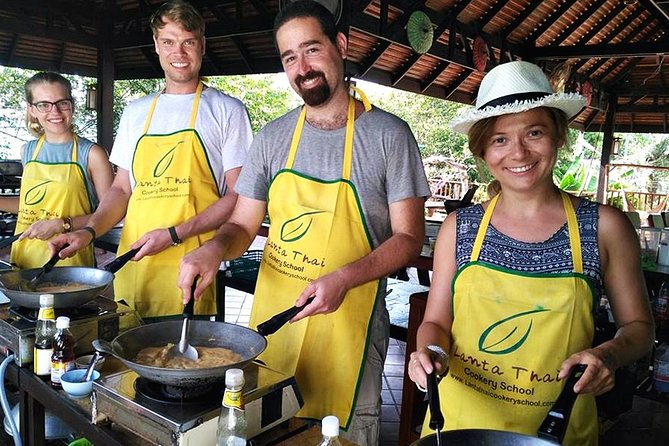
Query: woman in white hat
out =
(517, 279)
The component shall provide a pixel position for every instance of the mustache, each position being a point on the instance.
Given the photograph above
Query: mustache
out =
(308, 76)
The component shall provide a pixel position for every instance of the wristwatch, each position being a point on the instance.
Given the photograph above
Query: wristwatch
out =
(67, 224)
(173, 235)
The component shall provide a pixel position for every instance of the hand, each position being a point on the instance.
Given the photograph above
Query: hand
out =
(598, 378)
(43, 229)
(77, 240)
(152, 243)
(421, 363)
(204, 262)
(328, 291)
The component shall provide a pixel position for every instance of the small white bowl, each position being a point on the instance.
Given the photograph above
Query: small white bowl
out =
(74, 387)
(83, 361)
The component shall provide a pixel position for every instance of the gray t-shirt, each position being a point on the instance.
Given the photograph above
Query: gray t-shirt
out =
(386, 162)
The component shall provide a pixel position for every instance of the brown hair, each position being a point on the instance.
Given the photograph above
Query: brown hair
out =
(44, 77)
(479, 134)
(180, 12)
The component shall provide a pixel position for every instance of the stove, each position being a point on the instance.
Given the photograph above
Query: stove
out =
(138, 406)
(101, 318)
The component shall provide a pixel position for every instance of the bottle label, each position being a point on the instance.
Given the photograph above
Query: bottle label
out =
(58, 369)
(233, 400)
(46, 313)
(42, 361)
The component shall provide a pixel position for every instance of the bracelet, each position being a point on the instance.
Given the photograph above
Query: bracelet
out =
(440, 352)
(90, 231)
(173, 235)
(422, 389)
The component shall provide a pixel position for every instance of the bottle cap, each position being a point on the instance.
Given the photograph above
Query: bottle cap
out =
(330, 426)
(46, 300)
(62, 322)
(234, 378)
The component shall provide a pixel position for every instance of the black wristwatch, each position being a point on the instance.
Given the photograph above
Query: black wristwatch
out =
(173, 235)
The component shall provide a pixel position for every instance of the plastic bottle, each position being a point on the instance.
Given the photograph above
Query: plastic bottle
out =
(44, 333)
(330, 431)
(232, 422)
(661, 369)
(62, 359)
(661, 309)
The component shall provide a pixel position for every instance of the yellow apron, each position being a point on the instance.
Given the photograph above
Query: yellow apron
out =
(48, 191)
(174, 182)
(511, 332)
(316, 227)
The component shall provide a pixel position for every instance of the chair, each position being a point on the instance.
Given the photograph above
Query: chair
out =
(466, 200)
(655, 221)
(634, 217)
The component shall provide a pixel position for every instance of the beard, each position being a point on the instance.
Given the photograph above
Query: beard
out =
(313, 96)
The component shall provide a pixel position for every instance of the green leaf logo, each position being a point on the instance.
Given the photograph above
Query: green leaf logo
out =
(164, 163)
(36, 193)
(507, 335)
(296, 228)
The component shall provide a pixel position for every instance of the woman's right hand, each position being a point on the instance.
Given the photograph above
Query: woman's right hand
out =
(423, 362)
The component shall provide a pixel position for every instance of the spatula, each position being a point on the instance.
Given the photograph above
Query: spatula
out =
(48, 266)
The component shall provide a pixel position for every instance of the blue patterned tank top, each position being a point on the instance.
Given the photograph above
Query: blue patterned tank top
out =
(550, 256)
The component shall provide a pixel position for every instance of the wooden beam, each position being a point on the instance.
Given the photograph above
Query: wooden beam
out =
(548, 22)
(607, 19)
(455, 85)
(580, 20)
(643, 49)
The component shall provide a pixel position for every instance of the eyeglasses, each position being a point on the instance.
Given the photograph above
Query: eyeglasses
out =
(46, 106)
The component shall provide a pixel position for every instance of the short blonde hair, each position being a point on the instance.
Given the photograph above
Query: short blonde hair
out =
(180, 12)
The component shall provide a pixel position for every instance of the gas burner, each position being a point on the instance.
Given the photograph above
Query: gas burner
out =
(88, 309)
(163, 393)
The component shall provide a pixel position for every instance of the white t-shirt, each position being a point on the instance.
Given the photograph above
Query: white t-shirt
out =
(222, 123)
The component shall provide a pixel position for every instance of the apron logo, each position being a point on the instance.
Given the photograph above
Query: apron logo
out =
(296, 228)
(36, 194)
(164, 163)
(505, 336)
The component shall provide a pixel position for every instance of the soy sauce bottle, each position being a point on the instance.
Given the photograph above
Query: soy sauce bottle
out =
(62, 359)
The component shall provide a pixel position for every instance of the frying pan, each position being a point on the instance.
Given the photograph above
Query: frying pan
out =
(12, 283)
(241, 340)
(550, 433)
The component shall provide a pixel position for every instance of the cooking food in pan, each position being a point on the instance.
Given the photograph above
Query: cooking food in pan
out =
(207, 357)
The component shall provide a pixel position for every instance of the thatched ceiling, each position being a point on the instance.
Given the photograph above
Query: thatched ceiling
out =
(613, 48)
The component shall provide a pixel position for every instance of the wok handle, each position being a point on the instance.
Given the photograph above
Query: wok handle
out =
(272, 325)
(436, 417)
(554, 425)
(8, 241)
(119, 261)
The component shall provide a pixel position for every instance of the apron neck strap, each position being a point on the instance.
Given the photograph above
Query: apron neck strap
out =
(348, 142)
(193, 113)
(572, 227)
(40, 143)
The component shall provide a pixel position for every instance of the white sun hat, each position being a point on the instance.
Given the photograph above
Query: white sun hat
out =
(516, 87)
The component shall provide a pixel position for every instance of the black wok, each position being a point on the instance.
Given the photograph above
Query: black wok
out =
(13, 283)
(241, 340)
(550, 433)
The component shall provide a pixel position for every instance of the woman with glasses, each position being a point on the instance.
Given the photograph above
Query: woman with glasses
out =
(64, 175)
